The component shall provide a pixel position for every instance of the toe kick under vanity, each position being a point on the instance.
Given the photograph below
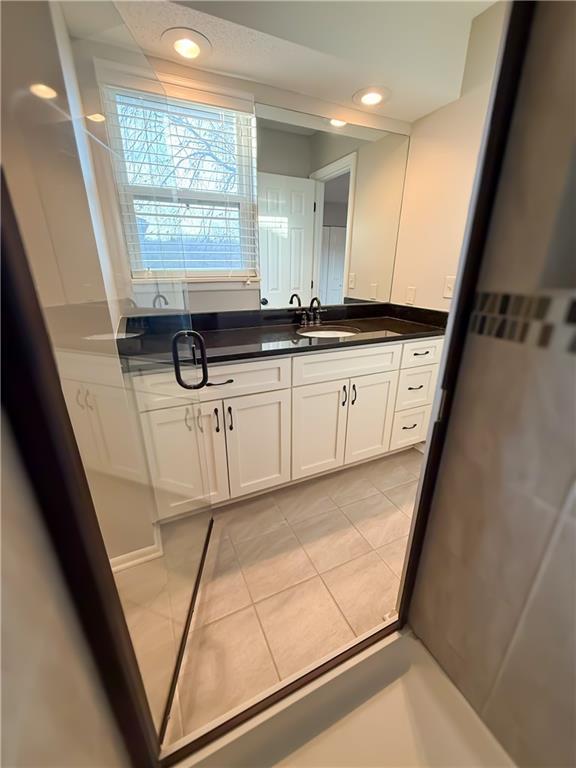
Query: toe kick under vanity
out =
(270, 421)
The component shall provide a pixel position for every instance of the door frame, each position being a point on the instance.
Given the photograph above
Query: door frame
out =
(346, 164)
(54, 471)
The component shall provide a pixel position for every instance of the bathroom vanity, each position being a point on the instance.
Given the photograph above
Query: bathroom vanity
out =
(292, 407)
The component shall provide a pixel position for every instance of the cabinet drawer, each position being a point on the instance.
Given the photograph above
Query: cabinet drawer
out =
(423, 352)
(329, 366)
(161, 390)
(416, 387)
(410, 427)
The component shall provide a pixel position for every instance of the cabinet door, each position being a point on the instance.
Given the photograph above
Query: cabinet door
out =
(258, 441)
(75, 397)
(115, 427)
(319, 427)
(213, 427)
(174, 445)
(370, 415)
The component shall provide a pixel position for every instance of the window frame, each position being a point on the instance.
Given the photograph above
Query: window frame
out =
(114, 77)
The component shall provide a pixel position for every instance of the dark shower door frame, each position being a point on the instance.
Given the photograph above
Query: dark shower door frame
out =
(34, 406)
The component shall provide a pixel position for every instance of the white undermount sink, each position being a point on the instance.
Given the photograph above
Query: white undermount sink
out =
(328, 332)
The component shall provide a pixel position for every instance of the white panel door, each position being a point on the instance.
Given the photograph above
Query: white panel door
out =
(286, 234)
(332, 265)
(370, 415)
(319, 427)
(258, 441)
(175, 448)
(75, 397)
(115, 427)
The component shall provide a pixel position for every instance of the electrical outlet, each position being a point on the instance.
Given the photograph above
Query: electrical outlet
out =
(449, 286)
(373, 291)
(410, 294)
(352, 280)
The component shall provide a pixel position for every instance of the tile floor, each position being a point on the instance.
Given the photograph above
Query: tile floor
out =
(156, 598)
(289, 578)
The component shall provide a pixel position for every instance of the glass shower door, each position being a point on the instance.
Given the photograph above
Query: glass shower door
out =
(130, 364)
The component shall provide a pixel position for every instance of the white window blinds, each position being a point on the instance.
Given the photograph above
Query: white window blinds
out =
(186, 179)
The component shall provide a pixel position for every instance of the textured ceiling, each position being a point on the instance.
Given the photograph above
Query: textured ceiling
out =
(326, 50)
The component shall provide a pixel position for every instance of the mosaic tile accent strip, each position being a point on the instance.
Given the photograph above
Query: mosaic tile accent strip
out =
(546, 321)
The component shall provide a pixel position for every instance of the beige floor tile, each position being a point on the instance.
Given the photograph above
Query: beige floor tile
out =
(302, 625)
(183, 540)
(350, 485)
(156, 647)
(304, 500)
(389, 472)
(413, 460)
(248, 519)
(227, 663)
(394, 554)
(272, 562)
(404, 497)
(223, 590)
(330, 539)
(378, 520)
(365, 589)
(142, 584)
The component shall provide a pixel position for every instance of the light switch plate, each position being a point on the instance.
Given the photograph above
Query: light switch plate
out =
(410, 294)
(449, 286)
(352, 280)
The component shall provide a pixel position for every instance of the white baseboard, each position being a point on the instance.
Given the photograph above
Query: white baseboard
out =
(139, 556)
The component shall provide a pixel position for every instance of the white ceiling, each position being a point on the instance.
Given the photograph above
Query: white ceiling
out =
(327, 50)
(272, 125)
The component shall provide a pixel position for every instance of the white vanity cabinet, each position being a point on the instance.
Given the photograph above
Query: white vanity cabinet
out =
(282, 419)
(319, 415)
(75, 395)
(105, 428)
(258, 441)
(370, 415)
(186, 450)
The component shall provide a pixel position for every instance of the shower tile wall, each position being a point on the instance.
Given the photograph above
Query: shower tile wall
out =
(495, 598)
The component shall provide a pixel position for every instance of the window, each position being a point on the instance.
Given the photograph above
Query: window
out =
(186, 179)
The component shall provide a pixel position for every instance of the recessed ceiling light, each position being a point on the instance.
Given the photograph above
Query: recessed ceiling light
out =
(96, 117)
(338, 123)
(187, 42)
(187, 48)
(371, 97)
(43, 91)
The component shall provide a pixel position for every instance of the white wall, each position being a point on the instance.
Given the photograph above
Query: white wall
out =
(377, 201)
(283, 152)
(442, 162)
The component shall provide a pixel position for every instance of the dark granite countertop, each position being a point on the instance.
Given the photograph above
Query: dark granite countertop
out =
(236, 336)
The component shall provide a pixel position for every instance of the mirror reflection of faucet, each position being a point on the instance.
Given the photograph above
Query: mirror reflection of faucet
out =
(314, 311)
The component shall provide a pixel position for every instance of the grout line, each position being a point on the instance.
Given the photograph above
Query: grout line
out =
(340, 609)
(259, 620)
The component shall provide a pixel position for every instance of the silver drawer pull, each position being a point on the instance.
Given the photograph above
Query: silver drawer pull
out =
(412, 427)
(413, 388)
(419, 354)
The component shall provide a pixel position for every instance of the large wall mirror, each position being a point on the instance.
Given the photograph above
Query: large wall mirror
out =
(329, 200)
